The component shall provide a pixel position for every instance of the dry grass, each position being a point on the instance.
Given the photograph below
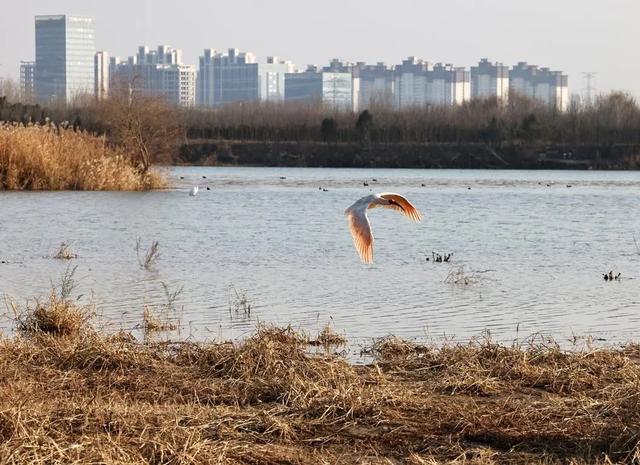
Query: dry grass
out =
(57, 158)
(328, 338)
(153, 322)
(56, 316)
(71, 395)
(65, 253)
(164, 317)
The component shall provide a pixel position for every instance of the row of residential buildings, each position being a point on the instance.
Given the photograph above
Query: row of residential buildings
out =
(67, 66)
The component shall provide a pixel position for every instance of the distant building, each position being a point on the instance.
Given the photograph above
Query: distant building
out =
(331, 89)
(205, 84)
(376, 85)
(337, 66)
(27, 81)
(158, 73)
(542, 84)
(411, 82)
(420, 83)
(271, 76)
(65, 49)
(101, 73)
(448, 85)
(237, 77)
(490, 80)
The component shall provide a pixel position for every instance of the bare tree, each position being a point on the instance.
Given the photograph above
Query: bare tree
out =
(148, 128)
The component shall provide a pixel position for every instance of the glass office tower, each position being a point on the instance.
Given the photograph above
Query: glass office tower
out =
(65, 49)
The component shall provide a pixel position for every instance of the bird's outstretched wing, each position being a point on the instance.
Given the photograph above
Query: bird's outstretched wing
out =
(403, 206)
(361, 232)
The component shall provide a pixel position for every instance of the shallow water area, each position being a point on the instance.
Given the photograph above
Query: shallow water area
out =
(534, 243)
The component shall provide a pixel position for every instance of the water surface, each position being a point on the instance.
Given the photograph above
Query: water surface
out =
(536, 247)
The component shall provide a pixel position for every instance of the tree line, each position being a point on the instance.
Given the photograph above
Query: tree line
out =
(156, 130)
(611, 119)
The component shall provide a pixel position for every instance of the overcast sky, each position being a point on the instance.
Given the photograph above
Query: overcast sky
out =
(568, 35)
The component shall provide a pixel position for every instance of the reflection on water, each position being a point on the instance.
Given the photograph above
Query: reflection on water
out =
(536, 247)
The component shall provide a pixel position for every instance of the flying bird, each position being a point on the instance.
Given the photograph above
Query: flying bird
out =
(359, 222)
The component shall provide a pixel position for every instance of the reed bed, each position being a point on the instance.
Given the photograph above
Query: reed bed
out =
(50, 157)
(69, 394)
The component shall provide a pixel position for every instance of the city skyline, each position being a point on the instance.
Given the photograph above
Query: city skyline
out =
(356, 32)
(67, 66)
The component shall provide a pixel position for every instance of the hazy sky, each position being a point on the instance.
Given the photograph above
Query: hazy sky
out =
(568, 35)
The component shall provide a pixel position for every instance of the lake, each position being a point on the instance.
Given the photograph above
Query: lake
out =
(534, 249)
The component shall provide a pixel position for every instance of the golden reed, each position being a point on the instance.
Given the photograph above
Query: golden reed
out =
(50, 157)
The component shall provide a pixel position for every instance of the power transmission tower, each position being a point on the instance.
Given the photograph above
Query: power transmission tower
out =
(589, 90)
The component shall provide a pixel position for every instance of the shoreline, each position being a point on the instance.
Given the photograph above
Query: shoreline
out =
(74, 395)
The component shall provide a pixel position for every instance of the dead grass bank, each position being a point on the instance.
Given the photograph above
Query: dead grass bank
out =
(48, 157)
(71, 395)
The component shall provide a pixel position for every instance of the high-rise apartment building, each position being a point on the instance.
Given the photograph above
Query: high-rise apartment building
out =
(546, 86)
(331, 89)
(205, 84)
(338, 67)
(448, 85)
(490, 80)
(227, 78)
(27, 81)
(420, 83)
(101, 73)
(377, 85)
(158, 73)
(236, 77)
(411, 82)
(65, 49)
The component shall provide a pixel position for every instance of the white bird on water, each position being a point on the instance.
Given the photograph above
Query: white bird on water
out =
(359, 222)
(194, 191)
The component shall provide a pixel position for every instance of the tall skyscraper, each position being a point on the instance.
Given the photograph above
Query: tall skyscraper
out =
(65, 49)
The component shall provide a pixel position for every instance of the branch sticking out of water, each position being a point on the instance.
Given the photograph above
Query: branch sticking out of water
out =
(238, 302)
(151, 255)
(459, 276)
